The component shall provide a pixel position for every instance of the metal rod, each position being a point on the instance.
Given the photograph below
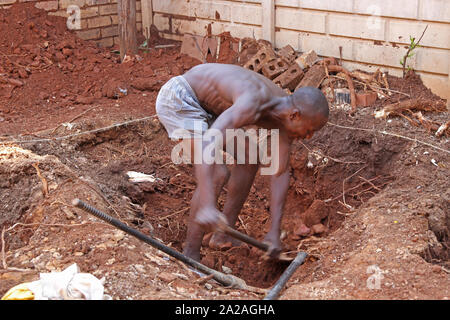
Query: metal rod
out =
(226, 280)
(287, 274)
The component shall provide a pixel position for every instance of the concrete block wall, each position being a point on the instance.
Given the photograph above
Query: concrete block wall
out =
(99, 20)
(372, 33)
(176, 17)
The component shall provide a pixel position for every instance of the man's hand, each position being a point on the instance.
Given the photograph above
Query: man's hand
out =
(275, 246)
(210, 219)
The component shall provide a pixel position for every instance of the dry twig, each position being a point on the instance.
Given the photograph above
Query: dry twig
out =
(44, 181)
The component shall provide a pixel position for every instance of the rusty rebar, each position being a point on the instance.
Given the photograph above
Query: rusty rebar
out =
(226, 280)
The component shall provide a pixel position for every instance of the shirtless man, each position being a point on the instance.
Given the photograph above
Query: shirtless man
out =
(221, 96)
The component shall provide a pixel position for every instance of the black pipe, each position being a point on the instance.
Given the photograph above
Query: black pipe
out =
(287, 274)
(226, 280)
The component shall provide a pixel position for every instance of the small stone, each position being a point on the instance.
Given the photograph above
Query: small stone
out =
(139, 268)
(209, 261)
(167, 277)
(57, 255)
(419, 272)
(318, 228)
(226, 270)
(226, 246)
(315, 213)
(85, 100)
(118, 235)
(436, 269)
(43, 95)
(59, 56)
(23, 73)
(67, 52)
(206, 238)
(302, 230)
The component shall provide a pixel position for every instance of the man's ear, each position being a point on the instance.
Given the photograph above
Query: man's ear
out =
(295, 115)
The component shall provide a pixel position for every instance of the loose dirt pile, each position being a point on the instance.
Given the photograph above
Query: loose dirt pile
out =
(368, 196)
(47, 74)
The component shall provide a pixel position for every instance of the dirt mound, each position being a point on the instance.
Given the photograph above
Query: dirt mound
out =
(48, 75)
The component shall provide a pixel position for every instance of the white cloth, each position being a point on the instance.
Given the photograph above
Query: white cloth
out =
(68, 284)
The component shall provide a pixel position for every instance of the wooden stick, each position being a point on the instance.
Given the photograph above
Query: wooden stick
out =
(376, 87)
(75, 118)
(44, 181)
(127, 28)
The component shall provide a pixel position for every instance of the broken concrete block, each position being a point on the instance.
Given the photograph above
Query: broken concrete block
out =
(264, 55)
(228, 48)
(288, 53)
(307, 59)
(274, 68)
(290, 78)
(246, 54)
(313, 77)
(198, 47)
(249, 47)
(264, 43)
(366, 99)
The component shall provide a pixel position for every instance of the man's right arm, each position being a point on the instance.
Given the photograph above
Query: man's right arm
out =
(243, 112)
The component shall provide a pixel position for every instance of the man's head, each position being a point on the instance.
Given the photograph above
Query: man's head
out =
(308, 112)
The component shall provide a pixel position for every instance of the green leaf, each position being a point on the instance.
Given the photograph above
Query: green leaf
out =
(144, 44)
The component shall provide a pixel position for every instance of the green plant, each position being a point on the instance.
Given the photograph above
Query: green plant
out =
(410, 53)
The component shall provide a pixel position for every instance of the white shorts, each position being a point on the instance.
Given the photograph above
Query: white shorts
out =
(179, 110)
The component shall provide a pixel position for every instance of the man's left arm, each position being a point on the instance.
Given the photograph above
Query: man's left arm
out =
(279, 189)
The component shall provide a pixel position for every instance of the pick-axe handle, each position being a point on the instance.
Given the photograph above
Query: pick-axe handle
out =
(242, 237)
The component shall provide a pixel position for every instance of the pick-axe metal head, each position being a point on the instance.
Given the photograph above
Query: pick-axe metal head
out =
(225, 228)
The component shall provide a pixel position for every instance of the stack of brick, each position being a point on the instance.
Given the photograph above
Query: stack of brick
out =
(287, 70)
(99, 19)
(290, 72)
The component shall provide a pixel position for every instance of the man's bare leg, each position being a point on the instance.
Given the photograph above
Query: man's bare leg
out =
(239, 185)
(195, 233)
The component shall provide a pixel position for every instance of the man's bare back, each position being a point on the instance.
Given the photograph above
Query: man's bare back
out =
(217, 86)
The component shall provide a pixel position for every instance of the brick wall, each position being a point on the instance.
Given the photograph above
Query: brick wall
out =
(372, 33)
(99, 21)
